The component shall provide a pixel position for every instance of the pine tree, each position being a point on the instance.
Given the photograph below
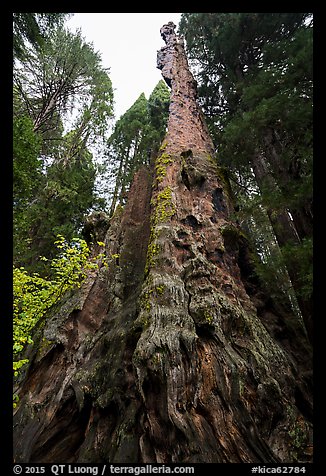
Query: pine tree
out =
(136, 137)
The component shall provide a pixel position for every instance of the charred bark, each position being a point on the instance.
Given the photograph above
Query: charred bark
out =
(162, 357)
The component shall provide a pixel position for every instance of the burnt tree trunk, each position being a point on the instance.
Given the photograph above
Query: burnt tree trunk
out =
(162, 356)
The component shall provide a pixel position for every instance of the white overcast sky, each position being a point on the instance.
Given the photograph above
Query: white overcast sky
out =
(128, 44)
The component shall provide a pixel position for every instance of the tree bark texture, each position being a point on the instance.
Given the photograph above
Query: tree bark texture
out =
(162, 357)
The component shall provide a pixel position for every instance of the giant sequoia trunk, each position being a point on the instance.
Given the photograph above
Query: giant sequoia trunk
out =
(162, 356)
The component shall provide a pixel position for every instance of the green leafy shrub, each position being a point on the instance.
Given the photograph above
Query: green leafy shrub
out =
(34, 295)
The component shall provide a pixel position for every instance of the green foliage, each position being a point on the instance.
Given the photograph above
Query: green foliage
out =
(137, 135)
(301, 256)
(54, 173)
(158, 112)
(33, 29)
(255, 69)
(65, 73)
(26, 164)
(60, 208)
(255, 84)
(34, 295)
(27, 178)
(268, 260)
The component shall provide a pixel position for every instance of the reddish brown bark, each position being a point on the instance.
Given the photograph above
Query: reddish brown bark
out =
(186, 125)
(162, 357)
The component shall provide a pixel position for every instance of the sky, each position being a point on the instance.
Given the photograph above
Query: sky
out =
(128, 44)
